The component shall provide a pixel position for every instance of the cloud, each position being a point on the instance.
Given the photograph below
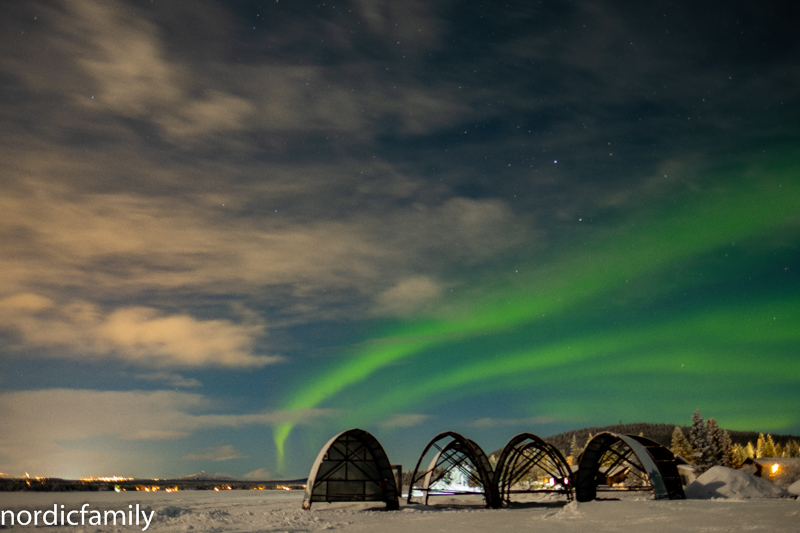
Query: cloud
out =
(488, 423)
(54, 431)
(408, 295)
(217, 453)
(134, 334)
(215, 112)
(414, 23)
(121, 52)
(403, 420)
(129, 244)
(183, 340)
(125, 56)
(110, 215)
(251, 201)
(261, 474)
(112, 60)
(173, 380)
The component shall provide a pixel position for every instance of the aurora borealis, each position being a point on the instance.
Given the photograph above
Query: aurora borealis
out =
(230, 230)
(614, 310)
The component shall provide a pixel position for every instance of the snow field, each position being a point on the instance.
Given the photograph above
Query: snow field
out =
(278, 511)
(721, 500)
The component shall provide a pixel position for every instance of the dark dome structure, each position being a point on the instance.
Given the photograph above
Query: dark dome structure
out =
(627, 462)
(352, 467)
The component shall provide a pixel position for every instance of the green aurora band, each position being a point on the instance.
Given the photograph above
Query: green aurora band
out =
(587, 313)
(734, 342)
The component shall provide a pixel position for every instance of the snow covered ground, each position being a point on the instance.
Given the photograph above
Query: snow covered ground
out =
(721, 482)
(274, 511)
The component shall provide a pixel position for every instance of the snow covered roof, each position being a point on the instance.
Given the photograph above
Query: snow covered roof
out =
(782, 461)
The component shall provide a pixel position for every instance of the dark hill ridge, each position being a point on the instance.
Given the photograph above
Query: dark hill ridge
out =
(661, 433)
(202, 476)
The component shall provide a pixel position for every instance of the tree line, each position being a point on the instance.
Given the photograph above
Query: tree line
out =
(571, 443)
(708, 445)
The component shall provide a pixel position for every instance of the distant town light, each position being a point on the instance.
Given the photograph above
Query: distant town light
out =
(106, 478)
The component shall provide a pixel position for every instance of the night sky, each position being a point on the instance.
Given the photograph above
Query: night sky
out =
(231, 230)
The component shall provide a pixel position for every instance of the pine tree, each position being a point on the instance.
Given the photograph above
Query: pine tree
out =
(738, 455)
(728, 456)
(760, 446)
(714, 441)
(680, 446)
(792, 449)
(575, 450)
(698, 440)
(787, 448)
(769, 447)
(750, 450)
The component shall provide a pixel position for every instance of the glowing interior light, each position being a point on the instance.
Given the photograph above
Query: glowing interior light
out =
(774, 468)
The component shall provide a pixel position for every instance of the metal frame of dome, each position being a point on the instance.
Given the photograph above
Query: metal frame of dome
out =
(523, 454)
(650, 463)
(454, 453)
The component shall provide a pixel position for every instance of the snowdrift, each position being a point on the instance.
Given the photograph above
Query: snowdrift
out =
(721, 482)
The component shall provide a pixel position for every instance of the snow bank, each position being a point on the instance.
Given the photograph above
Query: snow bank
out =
(568, 512)
(794, 488)
(721, 482)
